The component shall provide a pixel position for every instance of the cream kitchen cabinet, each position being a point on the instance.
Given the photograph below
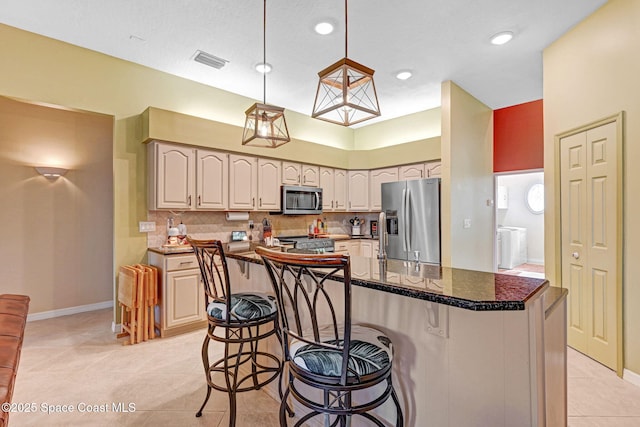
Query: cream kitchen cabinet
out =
(269, 172)
(184, 178)
(212, 180)
(334, 189)
(377, 177)
(300, 174)
(432, 169)
(243, 171)
(350, 247)
(182, 306)
(366, 249)
(358, 181)
(408, 172)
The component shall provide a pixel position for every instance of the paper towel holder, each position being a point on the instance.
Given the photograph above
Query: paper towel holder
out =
(237, 216)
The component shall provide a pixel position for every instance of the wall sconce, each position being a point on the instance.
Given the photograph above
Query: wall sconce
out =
(51, 172)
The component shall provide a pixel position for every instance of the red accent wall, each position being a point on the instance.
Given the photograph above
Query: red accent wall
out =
(518, 139)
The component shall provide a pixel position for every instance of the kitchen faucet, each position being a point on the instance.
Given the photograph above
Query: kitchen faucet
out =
(382, 234)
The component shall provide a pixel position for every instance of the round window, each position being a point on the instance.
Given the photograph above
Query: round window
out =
(535, 198)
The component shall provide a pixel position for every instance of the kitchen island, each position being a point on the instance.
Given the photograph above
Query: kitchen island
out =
(471, 348)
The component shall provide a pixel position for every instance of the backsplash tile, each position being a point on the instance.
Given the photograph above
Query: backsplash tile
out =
(214, 225)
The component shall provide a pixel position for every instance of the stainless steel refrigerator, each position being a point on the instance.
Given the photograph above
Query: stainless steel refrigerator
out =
(412, 209)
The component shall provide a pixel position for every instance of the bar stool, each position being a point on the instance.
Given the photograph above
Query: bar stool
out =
(239, 320)
(340, 361)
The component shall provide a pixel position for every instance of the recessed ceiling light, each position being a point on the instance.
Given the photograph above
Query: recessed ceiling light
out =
(404, 75)
(324, 28)
(263, 68)
(502, 38)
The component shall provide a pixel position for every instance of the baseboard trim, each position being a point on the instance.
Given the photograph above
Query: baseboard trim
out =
(631, 377)
(69, 310)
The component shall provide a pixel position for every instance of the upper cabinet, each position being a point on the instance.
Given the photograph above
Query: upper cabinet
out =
(334, 189)
(433, 169)
(300, 174)
(184, 178)
(358, 190)
(340, 189)
(408, 172)
(377, 178)
(268, 184)
(212, 177)
(310, 175)
(242, 182)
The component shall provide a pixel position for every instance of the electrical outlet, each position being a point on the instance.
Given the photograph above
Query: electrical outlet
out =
(146, 226)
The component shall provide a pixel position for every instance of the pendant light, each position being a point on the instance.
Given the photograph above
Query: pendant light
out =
(265, 125)
(346, 93)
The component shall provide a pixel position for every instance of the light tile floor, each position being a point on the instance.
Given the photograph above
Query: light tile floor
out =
(75, 361)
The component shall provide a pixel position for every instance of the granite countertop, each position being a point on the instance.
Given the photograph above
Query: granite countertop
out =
(471, 290)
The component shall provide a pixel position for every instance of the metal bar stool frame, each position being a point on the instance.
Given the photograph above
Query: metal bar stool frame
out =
(299, 281)
(239, 336)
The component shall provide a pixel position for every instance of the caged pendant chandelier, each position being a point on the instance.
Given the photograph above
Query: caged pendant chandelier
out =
(346, 93)
(265, 125)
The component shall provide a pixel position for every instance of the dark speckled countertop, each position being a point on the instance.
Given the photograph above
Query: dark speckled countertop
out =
(471, 290)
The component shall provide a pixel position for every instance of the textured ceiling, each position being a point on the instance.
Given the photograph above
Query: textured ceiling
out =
(437, 40)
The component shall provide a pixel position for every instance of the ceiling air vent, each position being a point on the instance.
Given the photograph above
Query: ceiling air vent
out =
(209, 59)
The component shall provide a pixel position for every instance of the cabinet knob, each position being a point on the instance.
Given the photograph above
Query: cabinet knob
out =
(189, 200)
(199, 201)
(332, 203)
(253, 201)
(260, 202)
(576, 255)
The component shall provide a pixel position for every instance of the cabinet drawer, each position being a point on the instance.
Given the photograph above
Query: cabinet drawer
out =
(341, 246)
(181, 262)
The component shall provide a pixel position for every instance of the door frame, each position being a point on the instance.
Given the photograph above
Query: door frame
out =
(618, 119)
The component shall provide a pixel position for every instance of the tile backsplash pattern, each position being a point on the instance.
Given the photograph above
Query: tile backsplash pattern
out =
(214, 225)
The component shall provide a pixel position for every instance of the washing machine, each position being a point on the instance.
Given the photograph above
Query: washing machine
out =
(512, 246)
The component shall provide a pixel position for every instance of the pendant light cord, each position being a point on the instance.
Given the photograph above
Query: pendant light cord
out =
(346, 28)
(264, 52)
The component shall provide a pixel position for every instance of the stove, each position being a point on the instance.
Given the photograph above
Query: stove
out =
(308, 245)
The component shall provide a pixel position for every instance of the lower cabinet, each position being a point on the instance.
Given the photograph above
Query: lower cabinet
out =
(181, 307)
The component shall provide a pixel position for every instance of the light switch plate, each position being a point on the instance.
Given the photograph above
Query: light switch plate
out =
(146, 226)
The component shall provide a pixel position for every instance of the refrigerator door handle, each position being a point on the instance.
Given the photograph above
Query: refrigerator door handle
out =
(407, 221)
(404, 219)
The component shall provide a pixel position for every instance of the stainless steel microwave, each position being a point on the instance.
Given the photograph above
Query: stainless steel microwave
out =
(301, 200)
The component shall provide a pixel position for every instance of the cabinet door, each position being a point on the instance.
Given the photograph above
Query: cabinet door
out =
(327, 184)
(433, 169)
(340, 189)
(408, 172)
(377, 178)
(242, 182)
(358, 190)
(174, 176)
(268, 185)
(184, 302)
(354, 248)
(366, 248)
(212, 180)
(291, 173)
(310, 176)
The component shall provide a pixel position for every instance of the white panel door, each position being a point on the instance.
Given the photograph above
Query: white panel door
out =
(589, 191)
(378, 177)
(327, 184)
(408, 172)
(291, 173)
(212, 180)
(242, 182)
(340, 189)
(174, 180)
(310, 175)
(358, 190)
(268, 185)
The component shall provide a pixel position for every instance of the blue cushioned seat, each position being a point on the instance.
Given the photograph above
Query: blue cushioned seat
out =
(244, 306)
(370, 352)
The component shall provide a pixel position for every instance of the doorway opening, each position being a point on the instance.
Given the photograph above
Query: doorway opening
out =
(519, 243)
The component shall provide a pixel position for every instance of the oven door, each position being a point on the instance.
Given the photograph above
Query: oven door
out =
(301, 200)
